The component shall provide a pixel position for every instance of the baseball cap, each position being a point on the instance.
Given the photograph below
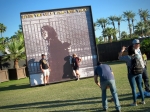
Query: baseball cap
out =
(135, 41)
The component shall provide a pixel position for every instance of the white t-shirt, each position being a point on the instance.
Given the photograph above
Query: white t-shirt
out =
(137, 51)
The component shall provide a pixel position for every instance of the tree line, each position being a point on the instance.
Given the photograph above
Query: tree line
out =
(12, 48)
(109, 34)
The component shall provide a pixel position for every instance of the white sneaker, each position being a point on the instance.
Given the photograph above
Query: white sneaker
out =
(143, 102)
(133, 104)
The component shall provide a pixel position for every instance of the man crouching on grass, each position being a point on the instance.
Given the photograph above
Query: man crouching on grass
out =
(106, 80)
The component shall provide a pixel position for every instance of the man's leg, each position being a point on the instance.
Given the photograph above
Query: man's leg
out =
(74, 73)
(138, 82)
(77, 74)
(131, 79)
(104, 99)
(44, 77)
(113, 90)
(47, 77)
(146, 80)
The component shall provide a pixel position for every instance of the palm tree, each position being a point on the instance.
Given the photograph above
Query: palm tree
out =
(17, 35)
(144, 14)
(115, 31)
(140, 10)
(95, 26)
(2, 45)
(139, 28)
(148, 22)
(112, 20)
(6, 39)
(20, 27)
(119, 19)
(16, 50)
(3, 42)
(109, 32)
(99, 23)
(127, 15)
(2, 28)
(100, 39)
(146, 30)
(103, 23)
(124, 35)
(97, 41)
(133, 19)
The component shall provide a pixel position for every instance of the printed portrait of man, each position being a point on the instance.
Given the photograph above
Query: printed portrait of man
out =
(58, 55)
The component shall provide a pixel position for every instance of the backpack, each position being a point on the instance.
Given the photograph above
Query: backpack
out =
(136, 67)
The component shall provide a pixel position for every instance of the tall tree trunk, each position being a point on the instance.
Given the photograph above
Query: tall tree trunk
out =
(142, 32)
(129, 28)
(133, 25)
(130, 32)
(145, 32)
(141, 18)
(119, 30)
(16, 65)
(114, 25)
(104, 36)
(104, 39)
(114, 37)
(144, 19)
(109, 38)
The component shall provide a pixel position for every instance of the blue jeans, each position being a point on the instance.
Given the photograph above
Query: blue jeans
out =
(146, 79)
(112, 85)
(138, 79)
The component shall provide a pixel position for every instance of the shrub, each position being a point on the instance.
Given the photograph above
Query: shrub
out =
(145, 45)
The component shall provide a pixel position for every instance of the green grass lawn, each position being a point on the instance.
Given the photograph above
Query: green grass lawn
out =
(83, 95)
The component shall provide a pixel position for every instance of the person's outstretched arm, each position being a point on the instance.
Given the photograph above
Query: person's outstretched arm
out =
(121, 52)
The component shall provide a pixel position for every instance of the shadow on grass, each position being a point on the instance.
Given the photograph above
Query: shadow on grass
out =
(142, 109)
(114, 62)
(14, 87)
(83, 110)
(57, 104)
(62, 105)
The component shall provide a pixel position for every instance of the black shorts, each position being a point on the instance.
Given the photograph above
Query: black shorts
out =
(75, 68)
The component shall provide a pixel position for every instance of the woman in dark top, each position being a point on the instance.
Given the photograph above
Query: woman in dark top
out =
(75, 65)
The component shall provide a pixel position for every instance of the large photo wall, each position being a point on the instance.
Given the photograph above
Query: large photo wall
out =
(58, 34)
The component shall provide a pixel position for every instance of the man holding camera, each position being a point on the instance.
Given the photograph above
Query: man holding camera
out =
(136, 45)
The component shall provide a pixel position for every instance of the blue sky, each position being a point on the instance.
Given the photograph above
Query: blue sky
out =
(10, 10)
